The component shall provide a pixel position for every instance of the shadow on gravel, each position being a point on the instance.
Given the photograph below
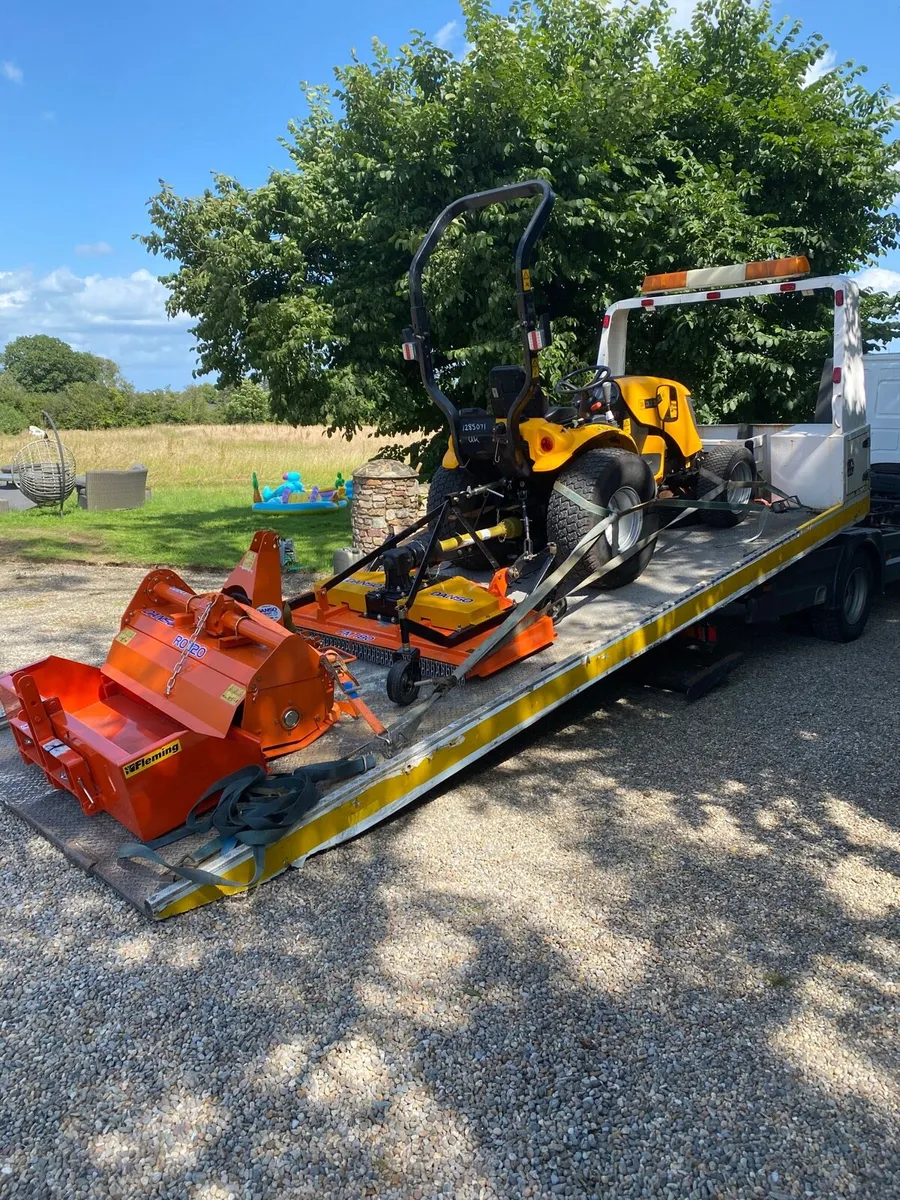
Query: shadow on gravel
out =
(645, 952)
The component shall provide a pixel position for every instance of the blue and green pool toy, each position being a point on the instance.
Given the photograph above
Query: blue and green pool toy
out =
(292, 496)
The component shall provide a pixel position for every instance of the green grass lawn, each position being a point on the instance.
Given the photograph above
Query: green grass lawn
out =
(179, 527)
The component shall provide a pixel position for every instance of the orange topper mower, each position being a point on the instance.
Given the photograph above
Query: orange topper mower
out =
(194, 687)
(422, 620)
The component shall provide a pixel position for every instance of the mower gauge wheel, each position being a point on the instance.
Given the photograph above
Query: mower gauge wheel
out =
(401, 681)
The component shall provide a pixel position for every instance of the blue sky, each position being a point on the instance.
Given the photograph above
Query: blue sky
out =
(100, 99)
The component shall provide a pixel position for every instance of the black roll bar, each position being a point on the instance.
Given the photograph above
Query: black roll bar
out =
(524, 297)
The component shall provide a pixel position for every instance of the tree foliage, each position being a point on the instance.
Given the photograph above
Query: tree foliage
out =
(47, 364)
(107, 400)
(667, 149)
(247, 404)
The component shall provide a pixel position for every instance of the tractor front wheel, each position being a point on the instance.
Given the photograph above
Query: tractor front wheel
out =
(734, 465)
(614, 479)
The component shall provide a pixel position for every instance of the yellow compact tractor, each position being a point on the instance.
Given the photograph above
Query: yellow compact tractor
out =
(602, 446)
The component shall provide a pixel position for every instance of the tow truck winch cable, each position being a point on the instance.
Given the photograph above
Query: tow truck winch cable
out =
(255, 809)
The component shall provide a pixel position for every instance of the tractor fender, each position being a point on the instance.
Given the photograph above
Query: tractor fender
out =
(551, 447)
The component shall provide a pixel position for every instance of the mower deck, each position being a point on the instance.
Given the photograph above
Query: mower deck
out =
(694, 571)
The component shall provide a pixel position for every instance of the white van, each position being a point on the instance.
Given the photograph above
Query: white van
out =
(882, 373)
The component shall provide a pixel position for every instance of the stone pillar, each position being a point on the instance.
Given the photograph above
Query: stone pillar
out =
(385, 500)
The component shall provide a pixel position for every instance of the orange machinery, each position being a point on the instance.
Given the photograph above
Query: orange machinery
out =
(194, 687)
(420, 626)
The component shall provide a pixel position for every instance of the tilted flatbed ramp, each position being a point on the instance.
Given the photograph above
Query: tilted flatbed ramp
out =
(695, 570)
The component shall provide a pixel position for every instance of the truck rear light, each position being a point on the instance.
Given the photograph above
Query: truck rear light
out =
(646, 304)
(839, 298)
(607, 321)
(714, 295)
(535, 340)
(409, 351)
(836, 375)
(788, 287)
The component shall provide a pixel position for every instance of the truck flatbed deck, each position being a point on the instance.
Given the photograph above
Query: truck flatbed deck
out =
(695, 571)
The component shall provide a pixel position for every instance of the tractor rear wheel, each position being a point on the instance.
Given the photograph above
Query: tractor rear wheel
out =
(613, 479)
(734, 464)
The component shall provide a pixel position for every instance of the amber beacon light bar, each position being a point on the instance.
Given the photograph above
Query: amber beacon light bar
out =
(722, 277)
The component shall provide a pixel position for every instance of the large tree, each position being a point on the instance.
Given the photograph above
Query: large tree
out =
(47, 364)
(667, 149)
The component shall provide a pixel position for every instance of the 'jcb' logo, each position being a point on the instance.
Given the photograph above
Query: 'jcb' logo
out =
(150, 760)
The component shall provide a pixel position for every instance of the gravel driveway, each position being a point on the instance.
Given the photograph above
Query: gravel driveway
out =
(650, 952)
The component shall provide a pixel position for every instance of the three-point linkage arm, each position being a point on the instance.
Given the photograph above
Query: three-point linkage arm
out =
(421, 334)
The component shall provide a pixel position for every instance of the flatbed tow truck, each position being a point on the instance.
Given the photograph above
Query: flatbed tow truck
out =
(827, 550)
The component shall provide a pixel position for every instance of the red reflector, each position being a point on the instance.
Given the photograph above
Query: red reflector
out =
(409, 350)
(714, 295)
(647, 304)
(607, 320)
(836, 375)
(789, 287)
(839, 298)
(547, 444)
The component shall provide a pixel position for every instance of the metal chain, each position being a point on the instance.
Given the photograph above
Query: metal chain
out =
(201, 621)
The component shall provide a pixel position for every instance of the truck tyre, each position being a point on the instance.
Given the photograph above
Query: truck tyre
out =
(733, 463)
(445, 482)
(609, 478)
(855, 593)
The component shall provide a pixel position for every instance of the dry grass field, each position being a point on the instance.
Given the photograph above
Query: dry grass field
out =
(200, 513)
(217, 455)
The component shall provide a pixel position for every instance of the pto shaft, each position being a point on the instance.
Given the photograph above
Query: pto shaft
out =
(510, 528)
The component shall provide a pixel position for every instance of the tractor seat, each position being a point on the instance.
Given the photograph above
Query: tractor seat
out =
(561, 416)
(504, 384)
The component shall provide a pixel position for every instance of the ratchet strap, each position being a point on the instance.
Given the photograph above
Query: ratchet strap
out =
(254, 810)
(588, 505)
(397, 734)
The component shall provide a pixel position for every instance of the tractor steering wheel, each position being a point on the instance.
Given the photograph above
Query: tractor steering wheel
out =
(585, 391)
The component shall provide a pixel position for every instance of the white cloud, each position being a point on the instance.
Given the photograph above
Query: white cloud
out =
(11, 72)
(121, 317)
(446, 34)
(452, 37)
(880, 279)
(93, 249)
(820, 68)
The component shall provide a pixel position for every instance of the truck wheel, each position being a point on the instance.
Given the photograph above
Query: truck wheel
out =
(855, 594)
(610, 478)
(734, 464)
(445, 482)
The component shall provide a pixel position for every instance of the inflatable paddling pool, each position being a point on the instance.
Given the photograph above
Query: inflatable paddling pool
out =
(292, 497)
(303, 506)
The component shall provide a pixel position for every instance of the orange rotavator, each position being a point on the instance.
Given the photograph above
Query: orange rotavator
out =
(194, 687)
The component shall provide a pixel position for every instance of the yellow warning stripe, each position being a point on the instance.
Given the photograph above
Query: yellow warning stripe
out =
(424, 773)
